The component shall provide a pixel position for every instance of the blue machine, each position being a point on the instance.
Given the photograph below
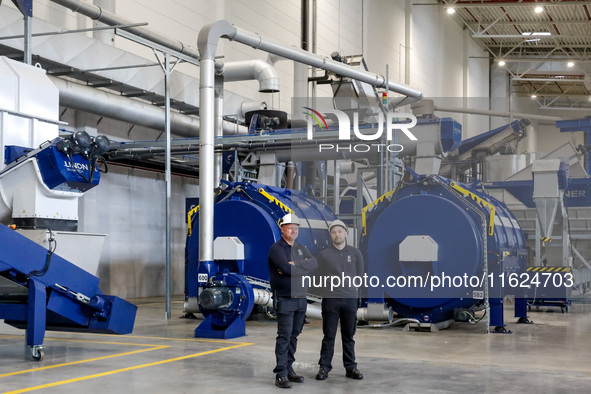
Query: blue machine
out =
(250, 212)
(65, 163)
(433, 228)
(40, 186)
(40, 290)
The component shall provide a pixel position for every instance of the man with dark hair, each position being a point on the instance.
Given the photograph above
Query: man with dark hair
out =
(288, 262)
(339, 259)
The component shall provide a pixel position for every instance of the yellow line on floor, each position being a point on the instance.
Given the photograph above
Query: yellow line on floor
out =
(136, 337)
(155, 347)
(162, 338)
(98, 375)
(100, 342)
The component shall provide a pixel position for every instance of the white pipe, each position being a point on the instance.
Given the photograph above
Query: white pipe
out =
(314, 311)
(102, 103)
(497, 113)
(254, 40)
(263, 297)
(206, 155)
(252, 69)
(108, 18)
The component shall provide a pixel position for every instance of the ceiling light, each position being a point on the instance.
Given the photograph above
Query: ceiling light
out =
(501, 63)
(536, 33)
(570, 64)
(451, 10)
(539, 9)
(533, 96)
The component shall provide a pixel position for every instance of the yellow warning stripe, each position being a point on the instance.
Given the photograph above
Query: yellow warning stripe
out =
(549, 269)
(373, 204)
(275, 200)
(484, 203)
(193, 212)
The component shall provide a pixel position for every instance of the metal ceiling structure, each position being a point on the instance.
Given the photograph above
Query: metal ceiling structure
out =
(545, 45)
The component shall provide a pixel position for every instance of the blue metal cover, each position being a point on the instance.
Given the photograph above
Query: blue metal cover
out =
(61, 173)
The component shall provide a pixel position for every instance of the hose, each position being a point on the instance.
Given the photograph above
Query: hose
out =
(50, 251)
(393, 323)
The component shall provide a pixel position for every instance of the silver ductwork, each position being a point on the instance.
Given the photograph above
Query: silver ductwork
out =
(252, 69)
(98, 14)
(102, 103)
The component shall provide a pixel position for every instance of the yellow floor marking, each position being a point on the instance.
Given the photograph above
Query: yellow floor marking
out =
(98, 375)
(155, 347)
(162, 338)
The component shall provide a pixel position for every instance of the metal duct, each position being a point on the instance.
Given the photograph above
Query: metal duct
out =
(252, 69)
(99, 102)
(108, 18)
(496, 113)
(234, 33)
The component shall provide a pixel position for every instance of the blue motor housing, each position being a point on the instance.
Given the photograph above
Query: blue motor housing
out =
(61, 172)
(461, 226)
(64, 165)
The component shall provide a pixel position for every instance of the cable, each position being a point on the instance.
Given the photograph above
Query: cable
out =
(403, 320)
(76, 169)
(50, 251)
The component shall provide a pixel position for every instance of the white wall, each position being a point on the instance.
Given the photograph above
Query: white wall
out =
(448, 66)
(129, 203)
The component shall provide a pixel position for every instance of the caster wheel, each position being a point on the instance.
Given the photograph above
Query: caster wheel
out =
(37, 353)
(524, 320)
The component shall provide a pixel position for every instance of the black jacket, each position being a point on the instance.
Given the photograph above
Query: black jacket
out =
(286, 279)
(344, 263)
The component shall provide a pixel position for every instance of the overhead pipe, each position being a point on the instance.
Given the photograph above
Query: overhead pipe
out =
(108, 18)
(254, 40)
(102, 103)
(234, 71)
(501, 114)
(251, 69)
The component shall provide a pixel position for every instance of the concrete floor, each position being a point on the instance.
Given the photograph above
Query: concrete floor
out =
(550, 356)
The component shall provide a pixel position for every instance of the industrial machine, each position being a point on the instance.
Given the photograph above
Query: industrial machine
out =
(44, 285)
(442, 250)
(247, 214)
(41, 186)
(39, 290)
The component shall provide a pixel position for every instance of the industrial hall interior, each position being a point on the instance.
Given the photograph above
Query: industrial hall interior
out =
(324, 196)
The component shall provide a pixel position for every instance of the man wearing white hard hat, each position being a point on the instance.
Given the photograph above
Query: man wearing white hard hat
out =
(339, 303)
(288, 262)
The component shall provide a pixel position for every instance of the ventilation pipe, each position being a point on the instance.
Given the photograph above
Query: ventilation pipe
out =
(99, 102)
(207, 43)
(496, 113)
(252, 69)
(98, 14)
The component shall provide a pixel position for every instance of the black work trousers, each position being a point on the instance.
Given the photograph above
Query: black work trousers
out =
(290, 321)
(333, 310)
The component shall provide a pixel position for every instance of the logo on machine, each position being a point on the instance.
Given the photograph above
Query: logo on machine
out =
(77, 166)
(394, 121)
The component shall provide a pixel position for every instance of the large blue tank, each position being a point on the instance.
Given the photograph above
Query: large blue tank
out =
(251, 211)
(433, 228)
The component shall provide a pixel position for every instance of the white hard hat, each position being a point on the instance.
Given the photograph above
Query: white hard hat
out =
(338, 223)
(290, 218)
